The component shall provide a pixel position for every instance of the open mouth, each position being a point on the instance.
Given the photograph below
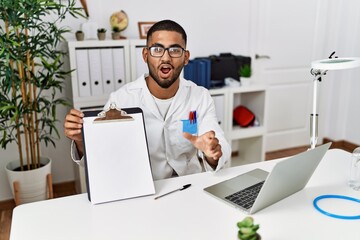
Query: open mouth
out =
(166, 69)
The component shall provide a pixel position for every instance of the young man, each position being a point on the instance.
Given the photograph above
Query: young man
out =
(166, 100)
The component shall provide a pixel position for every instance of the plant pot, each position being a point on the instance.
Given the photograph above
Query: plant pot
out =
(245, 81)
(32, 185)
(101, 35)
(80, 36)
(115, 35)
(258, 237)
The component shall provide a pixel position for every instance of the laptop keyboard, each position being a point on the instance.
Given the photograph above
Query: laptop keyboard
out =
(246, 197)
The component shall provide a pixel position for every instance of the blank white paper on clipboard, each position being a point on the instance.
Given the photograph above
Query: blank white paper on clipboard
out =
(116, 158)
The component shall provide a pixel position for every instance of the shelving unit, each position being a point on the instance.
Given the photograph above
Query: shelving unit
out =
(104, 64)
(117, 62)
(247, 143)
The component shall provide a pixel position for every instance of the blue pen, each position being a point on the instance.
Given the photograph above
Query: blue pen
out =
(195, 119)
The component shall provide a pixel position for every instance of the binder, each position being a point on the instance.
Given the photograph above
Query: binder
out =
(207, 73)
(107, 70)
(83, 76)
(199, 71)
(95, 72)
(219, 102)
(117, 162)
(190, 71)
(141, 66)
(118, 57)
(203, 71)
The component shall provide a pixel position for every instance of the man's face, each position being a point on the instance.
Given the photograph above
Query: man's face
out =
(165, 70)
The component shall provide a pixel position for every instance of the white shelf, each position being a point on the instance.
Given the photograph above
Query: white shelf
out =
(247, 89)
(241, 133)
(97, 43)
(247, 143)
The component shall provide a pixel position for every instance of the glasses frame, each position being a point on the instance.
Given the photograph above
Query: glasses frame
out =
(166, 49)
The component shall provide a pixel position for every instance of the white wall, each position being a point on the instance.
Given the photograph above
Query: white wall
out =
(223, 26)
(209, 30)
(340, 103)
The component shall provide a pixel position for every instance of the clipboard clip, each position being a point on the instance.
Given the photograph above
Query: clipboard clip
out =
(113, 114)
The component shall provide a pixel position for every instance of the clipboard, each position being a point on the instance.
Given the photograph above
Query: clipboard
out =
(117, 162)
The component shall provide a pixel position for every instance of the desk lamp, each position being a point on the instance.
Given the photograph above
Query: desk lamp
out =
(318, 69)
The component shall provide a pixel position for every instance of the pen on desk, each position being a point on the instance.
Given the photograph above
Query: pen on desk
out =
(179, 189)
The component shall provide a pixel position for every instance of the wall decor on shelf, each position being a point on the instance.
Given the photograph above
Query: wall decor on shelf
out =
(144, 28)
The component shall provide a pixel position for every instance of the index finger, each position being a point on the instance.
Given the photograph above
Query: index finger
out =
(76, 112)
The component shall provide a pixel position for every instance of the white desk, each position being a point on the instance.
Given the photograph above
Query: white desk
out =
(193, 214)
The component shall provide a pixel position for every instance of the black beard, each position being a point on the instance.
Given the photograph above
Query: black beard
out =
(163, 84)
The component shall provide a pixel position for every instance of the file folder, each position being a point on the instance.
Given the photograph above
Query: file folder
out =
(118, 57)
(199, 71)
(83, 75)
(141, 66)
(107, 70)
(95, 72)
(190, 71)
(117, 162)
(203, 71)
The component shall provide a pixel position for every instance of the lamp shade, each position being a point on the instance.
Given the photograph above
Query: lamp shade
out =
(336, 63)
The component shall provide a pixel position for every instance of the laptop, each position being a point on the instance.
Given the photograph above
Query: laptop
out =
(258, 189)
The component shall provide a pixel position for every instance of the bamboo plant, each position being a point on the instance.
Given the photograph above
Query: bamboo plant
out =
(32, 73)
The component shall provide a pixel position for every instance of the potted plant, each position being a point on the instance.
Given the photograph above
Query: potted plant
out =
(116, 33)
(31, 74)
(79, 35)
(101, 33)
(248, 230)
(245, 73)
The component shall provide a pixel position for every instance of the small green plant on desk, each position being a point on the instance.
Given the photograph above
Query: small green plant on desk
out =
(248, 230)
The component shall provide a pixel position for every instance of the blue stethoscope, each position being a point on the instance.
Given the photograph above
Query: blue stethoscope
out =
(315, 203)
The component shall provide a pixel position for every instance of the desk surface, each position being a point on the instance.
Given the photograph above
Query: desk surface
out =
(193, 214)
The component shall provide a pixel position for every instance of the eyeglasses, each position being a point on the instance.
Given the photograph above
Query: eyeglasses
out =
(174, 52)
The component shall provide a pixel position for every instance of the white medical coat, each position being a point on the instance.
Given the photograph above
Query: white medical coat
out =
(169, 151)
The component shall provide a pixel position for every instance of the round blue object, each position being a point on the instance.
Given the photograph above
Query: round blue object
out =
(336, 197)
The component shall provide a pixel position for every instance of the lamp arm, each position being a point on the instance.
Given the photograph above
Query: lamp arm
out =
(314, 115)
